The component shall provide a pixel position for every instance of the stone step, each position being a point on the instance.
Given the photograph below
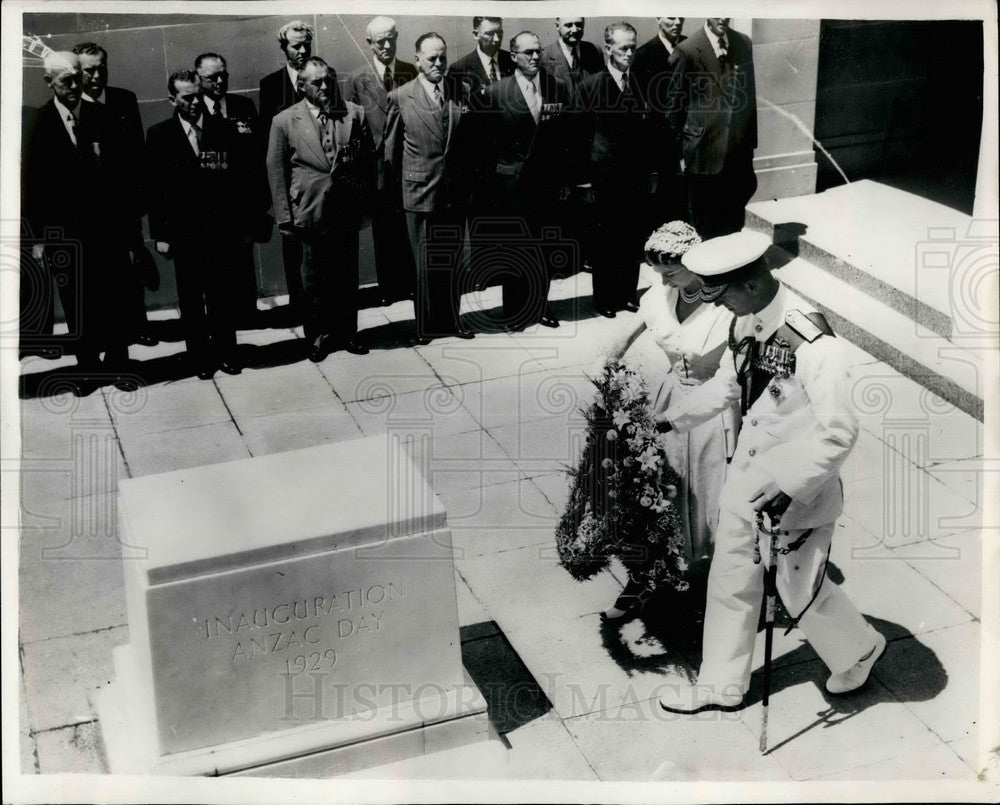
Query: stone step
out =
(915, 256)
(920, 353)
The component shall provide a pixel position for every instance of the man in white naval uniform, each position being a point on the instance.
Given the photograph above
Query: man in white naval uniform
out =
(788, 371)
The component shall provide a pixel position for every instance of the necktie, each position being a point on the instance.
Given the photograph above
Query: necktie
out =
(438, 97)
(196, 137)
(387, 80)
(574, 63)
(71, 121)
(493, 71)
(626, 89)
(534, 102)
(723, 51)
(329, 145)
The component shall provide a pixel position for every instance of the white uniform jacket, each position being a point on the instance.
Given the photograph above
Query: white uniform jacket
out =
(797, 433)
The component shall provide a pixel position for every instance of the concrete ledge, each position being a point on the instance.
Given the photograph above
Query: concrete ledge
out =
(322, 749)
(875, 238)
(953, 374)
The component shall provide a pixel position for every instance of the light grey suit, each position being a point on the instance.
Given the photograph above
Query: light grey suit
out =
(425, 148)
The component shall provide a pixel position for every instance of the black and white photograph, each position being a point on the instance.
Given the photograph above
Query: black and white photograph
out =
(400, 404)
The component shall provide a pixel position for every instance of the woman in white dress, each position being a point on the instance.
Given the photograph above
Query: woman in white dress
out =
(693, 334)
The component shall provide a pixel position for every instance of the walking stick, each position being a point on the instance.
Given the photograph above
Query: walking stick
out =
(771, 592)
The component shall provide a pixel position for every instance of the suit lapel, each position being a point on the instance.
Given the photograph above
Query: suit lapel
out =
(706, 54)
(428, 114)
(308, 131)
(182, 143)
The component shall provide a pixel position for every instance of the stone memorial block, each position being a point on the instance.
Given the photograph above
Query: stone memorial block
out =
(287, 605)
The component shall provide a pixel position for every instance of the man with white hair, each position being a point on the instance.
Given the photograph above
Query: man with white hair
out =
(278, 91)
(73, 174)
(370, 88)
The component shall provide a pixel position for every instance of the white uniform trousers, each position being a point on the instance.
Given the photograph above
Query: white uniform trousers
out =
(832, 624)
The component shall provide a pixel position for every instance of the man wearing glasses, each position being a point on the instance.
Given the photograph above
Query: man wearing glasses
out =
(522, 129)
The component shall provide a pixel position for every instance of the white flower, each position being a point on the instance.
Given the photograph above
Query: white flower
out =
(620, 418)
(650, 459)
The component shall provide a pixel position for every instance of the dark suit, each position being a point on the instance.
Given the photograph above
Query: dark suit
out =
(122, 109)
(74, 204)
(323, 196)
(277, 93)
(469, 69)
(203, 207)
(554, 63)
(653, 70)
(575, 217)
(242, 110)
(712, 113)
(613, 152)
(529, 169)
(426, 148)
(393, 261)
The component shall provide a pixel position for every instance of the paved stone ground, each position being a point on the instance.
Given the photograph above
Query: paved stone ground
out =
(574, 700)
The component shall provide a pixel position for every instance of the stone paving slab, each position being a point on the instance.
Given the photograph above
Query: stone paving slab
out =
(169, 406)
(259, 392)
(76, 749)
(62, 674)
(184, 448)
(936, 675)
(48, 424)
(937, 763)
(498, 518)
(811, 733)
(28, 753)
(967, 477)
(533, 395)
(545, 445)
(291, 430)
(882, 586)
(968, 750)
(436, 410)
(380, 373)
(908, 505)
(639, 741)
(71, 576)
(544, 749)
(953, 564)
(484, 358)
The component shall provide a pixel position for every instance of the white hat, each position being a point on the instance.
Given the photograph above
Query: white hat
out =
(716, 259)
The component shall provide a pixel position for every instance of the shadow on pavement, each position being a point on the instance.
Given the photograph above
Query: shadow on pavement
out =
(512, 695)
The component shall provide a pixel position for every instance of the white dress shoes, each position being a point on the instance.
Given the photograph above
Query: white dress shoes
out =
(856, 676)
(691, 699)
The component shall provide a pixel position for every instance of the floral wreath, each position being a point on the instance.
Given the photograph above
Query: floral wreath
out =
(623, 500)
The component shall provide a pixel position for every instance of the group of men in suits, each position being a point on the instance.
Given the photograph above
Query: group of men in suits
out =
(527, 152)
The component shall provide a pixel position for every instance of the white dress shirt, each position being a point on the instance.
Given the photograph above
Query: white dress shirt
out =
(532, 91)
(429, 89)
(210, 105)
(99, 99)
(618, 76)
(716, 45)
(666, 43)
(293, 75)
(70, 120)
(487, 61)
(189, 131)
(568, 52)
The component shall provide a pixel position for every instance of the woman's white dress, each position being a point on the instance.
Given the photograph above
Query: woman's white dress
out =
(693, 351)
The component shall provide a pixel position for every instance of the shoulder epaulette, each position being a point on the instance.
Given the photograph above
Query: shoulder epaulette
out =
(802, 327)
